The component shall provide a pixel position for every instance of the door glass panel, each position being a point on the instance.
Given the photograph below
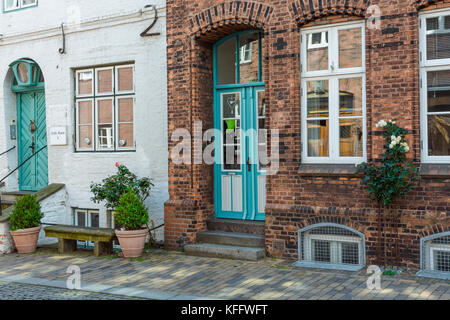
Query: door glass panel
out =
(262, 132)
(351, 137)
(350, 48)
(318, 138)
(249, 57)
(317, 51)
(350, 97)
(318, 99)
(226, 62)
(231, 125)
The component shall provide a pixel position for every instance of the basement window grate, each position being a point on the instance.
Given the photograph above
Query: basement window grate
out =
(331, 246)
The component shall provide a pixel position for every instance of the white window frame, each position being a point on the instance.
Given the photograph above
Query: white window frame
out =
(77, 125)
(87, 218)
(97, 124)
(20, 5)
(77, 73)
(323, 41)
(96, 96)
(333, 74)
(117, 122)
(334, 256)
(434, 248)
(244, 49)
(116, 77)
(425, 67)
(110, 93)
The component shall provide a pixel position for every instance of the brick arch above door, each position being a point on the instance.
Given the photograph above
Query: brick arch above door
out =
(305, 11)
(213, 23)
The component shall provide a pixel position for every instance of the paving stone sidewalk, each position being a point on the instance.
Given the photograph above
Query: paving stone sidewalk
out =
(170, 275)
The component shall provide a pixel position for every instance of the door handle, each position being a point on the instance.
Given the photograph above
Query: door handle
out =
(249, 167)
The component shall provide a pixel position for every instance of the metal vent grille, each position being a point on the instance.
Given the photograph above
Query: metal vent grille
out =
(436, 253)
(331, 244)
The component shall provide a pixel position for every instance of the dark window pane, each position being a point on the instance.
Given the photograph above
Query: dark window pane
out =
(321, 251)
(226, 62)
(350, 253)
(94, 219)
(442, 261)
(81, 217)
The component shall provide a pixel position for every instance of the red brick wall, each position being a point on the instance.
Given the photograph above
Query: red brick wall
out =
(295, 199)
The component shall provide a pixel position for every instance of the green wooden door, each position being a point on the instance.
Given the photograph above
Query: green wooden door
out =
(33, 175)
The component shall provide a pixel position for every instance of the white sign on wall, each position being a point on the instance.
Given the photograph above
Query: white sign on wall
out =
(58, 136)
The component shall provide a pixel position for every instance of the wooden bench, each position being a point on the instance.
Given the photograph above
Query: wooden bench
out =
(69, 235)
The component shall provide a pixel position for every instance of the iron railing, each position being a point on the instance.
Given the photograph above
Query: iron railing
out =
(17, 168)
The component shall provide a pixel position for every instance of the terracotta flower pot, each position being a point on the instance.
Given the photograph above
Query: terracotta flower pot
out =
(132, 242)
(26, 239)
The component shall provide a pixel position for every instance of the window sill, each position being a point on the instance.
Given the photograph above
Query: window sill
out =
(330, 266)
(433, 274)
(433, 171)
(328, 170)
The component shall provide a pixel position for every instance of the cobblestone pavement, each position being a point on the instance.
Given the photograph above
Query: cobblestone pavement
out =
(20, 291)
(172, 275)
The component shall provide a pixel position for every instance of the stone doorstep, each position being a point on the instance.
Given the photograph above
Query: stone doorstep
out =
(232, 239)
(224, 251)
(236, 226)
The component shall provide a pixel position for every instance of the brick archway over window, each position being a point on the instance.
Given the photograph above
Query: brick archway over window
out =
(420, 4)
(222, 19)
(305, 11)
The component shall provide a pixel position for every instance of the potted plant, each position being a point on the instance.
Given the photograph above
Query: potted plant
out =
(113, 187)
(26, 223)
(130, 216)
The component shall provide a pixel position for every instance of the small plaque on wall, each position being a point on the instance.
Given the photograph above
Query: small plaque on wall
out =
(58, 136)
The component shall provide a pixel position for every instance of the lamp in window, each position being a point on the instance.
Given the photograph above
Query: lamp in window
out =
(26, 73)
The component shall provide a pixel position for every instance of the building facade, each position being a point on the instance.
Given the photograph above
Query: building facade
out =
(85, 80)
(327, 72)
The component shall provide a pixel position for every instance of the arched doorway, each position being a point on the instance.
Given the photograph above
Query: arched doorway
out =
(239, 114)
(28, 84)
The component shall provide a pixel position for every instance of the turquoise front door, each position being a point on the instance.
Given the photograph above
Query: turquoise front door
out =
(240, 181)
(32, 136)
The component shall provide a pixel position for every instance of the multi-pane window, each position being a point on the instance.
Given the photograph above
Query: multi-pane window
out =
(104, 103)
(435, 86)
(332, 245)
(86, 218)
(333, 94)
(436, 253)
(18, 4)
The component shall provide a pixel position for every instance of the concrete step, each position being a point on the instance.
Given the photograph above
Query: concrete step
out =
(222, 251)
(232, 239)
(236, 226)
(14, 195)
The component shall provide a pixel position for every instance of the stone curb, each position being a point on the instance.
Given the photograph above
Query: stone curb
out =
(108, 289)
